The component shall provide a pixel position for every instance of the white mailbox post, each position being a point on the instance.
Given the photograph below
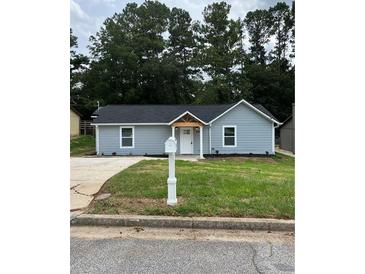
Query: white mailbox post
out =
(170, 148)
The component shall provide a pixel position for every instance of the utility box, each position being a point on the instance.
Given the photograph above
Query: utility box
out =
(171, 145)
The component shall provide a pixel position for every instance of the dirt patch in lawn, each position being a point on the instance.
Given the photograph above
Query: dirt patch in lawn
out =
(140, 203)
(124, 205)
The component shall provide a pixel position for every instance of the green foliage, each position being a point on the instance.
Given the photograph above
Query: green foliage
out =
(258, 25)
(220, 41)
(149, 54)
(281, 26)
(73, 41)
(179, 57)
(78, 65)
(221, 53)
(292, 40)
(272, 88)
(82, 145)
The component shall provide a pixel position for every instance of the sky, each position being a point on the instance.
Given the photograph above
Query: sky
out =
(87, 16)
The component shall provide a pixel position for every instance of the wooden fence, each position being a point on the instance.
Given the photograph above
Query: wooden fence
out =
(86, 128)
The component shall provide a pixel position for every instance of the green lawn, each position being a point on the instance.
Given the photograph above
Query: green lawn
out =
(82, 145)
(236, 187)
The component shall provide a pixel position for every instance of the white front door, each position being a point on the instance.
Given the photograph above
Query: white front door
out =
(186, 140)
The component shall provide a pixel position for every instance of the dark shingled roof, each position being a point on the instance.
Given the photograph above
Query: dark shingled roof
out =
(286, 121)
(264, 110)
(160, 113)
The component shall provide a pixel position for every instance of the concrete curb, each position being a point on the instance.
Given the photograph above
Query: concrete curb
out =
(185, 222)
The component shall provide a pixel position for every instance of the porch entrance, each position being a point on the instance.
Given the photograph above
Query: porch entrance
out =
(186, 140)
(187, 123)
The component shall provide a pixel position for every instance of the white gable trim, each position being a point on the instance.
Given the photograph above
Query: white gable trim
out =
(187, 112)
(250, 106)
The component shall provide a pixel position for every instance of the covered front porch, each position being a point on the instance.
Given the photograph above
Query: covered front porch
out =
(189, 132)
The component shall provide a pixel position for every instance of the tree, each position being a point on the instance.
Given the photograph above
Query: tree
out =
(271, 83)
(272, 89)
(221, 50)
(73, 41)
(150, 54)
(292, 38)
(127, 52)
(78, 64)
(258, 26)
(281, 27)
(179, 59)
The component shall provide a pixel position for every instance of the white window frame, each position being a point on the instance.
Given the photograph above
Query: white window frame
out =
(120, 137)
(235, 135)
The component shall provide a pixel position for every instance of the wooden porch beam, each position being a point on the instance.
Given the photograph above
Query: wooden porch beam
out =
(187, 124)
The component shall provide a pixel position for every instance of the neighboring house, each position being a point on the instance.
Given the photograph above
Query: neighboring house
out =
(239, 128)
(75, 118)
(287, 133)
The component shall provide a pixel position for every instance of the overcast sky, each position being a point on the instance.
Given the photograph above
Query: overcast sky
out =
(88, 15)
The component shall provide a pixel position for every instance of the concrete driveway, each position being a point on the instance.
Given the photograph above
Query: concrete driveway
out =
(89, 174)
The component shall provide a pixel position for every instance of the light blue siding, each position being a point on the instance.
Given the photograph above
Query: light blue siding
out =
(254, 132)
(147, 140)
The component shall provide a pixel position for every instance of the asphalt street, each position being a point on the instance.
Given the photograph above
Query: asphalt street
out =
(142, 251)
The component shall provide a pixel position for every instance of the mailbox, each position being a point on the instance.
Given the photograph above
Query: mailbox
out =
(170, 148)
(170, 145)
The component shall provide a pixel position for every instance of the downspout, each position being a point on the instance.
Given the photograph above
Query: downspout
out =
(96, 132)
(273, 136)
(210, 138)
(97, 139)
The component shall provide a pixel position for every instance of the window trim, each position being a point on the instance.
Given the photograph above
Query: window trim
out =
(235, 135)
(120, 137)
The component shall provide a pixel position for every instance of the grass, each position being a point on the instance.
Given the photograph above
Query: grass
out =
(82, 145)
(234, 187)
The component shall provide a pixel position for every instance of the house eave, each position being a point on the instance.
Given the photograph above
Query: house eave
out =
(129, 124)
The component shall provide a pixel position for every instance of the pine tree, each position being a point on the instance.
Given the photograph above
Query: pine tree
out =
(258, 26)
(221, 50)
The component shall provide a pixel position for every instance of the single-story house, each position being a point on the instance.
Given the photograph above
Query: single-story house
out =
(287, 133)
(239, 128)
(75, 118)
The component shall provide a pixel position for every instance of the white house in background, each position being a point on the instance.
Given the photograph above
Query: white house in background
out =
(239, 128)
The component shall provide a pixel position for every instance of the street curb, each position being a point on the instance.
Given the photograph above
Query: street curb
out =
(185, 222)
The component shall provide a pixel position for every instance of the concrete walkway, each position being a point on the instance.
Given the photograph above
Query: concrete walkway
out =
(88, 174)
(188, 157)
(285, 152)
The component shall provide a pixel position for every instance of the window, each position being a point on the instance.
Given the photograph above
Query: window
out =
(127, 137)
(229, 136)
